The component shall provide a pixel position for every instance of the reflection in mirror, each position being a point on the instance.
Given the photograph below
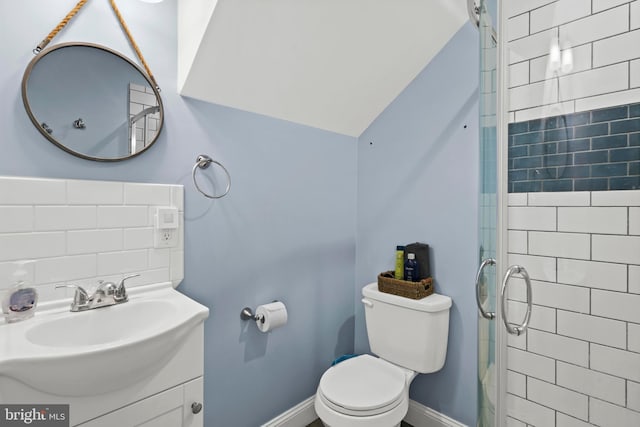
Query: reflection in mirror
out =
(92, 102)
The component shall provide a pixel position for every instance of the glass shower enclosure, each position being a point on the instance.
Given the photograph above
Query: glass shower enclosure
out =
(558, 283)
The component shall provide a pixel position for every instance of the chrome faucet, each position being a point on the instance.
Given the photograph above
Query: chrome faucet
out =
(106, 294)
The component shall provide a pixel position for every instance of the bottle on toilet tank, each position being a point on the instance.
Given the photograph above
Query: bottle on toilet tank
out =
(411, 269)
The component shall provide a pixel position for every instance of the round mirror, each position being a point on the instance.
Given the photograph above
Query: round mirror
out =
(92, 102)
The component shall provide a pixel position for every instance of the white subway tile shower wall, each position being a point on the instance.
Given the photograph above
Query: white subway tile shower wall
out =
(80, 231)
(604, 38)
(579, 364)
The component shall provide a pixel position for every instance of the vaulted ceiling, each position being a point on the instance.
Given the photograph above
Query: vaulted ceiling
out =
(330, 64)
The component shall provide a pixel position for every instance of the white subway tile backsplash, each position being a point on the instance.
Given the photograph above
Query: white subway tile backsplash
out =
(592, 274)
(597, 26)
(147, 194)
(616, 49)
(517, 199)
(633, 339)
(533, 95)
(634, 279)
(560, 198)
(607, 100)
(566, 245)
(597, 81)
(564, 420)
(95, 192)
(518, 26)
(530, 364)
(616, 198)
(607, 415)
(32, 191)
(623, 249)
(516, 7)
(592, 328)
(138, 238)
(634, 221)
(517, 241)
(633, 396)
(177, 266)
(18, 246)
(49, 218)
(559, 13)
(15, 219)
(10, 271)
(539, 268)
(94, 241)
(516, 384)
(603, 220)
(529, 412)
(519, 74)
(592, 383)
(540, 66)
(122, 262)
(66, 269)
(177, 197)
(558, 347)
(635, 15)
(531, 46)
(600, 5)
(123, 216)
(624, 364)
(616, 305)
(558, 398)
(567, 107)
(531, 218)
(159, 258)
(634, 73)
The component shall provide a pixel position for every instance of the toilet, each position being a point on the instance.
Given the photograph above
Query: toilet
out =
(409, 337)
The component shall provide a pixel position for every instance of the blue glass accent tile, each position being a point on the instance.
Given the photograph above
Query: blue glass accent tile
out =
(608, 114)
(527, 138)
(625, 155)
(609, 169)
(518, 175)
(634, 168)
(574, 145)
(520, 127)
(510, 138)
(628, 183)
(527, 186)
(592, 184)
(634, 139)
(634, 110)
(592, 130)
(558, 134)
(611, 141)
(590, 157)
(558, 185)
(574, 172)
(527, 162)
(540, 149)
(552, 122)
(542, 173)
(558, 160)
(518, 151)
(624, 126)
(535, 125)
(578, 119)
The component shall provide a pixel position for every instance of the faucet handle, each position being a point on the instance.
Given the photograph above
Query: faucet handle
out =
(80, 298)
(121, 290)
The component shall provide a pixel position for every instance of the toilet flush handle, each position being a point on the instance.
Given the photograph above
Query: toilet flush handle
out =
(367, 302)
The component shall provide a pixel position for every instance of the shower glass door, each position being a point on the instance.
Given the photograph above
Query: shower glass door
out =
(560, 195)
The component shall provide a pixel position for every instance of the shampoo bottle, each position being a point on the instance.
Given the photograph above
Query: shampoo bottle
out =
(411, 273)
(399, 273)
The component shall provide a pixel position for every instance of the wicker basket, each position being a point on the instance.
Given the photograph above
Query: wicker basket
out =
(413, 290)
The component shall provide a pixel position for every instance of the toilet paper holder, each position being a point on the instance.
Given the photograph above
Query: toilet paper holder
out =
(247, 314)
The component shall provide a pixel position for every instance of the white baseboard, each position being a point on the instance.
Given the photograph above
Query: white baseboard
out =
(299, 416)
(418, 415)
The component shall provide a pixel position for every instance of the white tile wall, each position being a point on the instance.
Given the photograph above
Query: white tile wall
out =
(601, 34)
(581, 356)
(81, 231)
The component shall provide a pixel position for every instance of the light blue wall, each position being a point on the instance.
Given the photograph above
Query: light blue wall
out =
(418, 181)
(286, 231)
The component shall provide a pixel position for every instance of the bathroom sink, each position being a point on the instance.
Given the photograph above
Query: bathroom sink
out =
(98, 351)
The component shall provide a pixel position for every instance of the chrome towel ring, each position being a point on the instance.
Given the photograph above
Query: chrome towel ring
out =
(202, 162)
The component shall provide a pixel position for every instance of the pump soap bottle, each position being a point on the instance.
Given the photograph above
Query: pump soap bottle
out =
(20, 301)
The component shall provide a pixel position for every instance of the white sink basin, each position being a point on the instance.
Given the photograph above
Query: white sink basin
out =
(102, 350)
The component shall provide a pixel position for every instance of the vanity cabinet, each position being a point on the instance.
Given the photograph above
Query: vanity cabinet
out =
(170, 408)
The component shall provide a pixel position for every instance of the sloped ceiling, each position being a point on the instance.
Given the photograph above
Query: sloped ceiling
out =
(330, 64)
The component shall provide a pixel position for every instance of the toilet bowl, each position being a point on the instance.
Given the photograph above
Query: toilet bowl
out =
(363, 391)
(410, 337)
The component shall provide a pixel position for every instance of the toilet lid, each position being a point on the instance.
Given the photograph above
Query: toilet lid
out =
(363, 384)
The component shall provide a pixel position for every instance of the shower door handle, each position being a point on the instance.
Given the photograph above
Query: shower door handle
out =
(487, 315)
(522, 328)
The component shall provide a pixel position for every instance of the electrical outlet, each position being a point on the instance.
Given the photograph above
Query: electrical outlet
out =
(165, 238)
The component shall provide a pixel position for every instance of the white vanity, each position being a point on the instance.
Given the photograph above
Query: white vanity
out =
(135, 364)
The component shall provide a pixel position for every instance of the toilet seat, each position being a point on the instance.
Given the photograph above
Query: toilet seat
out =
(363, 386)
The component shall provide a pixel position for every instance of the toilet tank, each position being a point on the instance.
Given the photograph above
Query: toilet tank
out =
(407, 332)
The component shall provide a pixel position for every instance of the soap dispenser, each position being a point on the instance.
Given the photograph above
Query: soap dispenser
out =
(20, 300)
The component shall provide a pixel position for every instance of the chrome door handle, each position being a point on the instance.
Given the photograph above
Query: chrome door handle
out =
(487, 315)
(522, 328)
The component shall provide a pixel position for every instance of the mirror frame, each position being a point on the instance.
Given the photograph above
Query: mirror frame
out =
(34, 120)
